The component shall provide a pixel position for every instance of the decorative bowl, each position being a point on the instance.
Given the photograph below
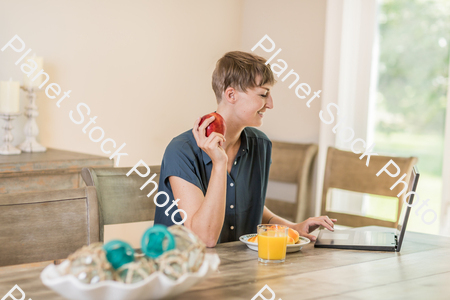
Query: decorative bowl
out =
(155, 286)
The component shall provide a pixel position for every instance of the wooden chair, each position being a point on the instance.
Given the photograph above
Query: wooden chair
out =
(344, 170)
(292, 163)
(46, 225)
(120, 198)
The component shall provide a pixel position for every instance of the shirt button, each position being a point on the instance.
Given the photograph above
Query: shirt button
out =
(232, 227)
(231, 184)
(235, 162)
(231, 206)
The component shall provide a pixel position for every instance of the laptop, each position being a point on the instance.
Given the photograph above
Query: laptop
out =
(371, 240)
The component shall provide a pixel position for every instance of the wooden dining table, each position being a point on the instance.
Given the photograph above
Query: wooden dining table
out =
(420, 271)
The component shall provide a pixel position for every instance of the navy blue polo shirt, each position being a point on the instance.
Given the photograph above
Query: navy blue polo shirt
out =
(246, 183)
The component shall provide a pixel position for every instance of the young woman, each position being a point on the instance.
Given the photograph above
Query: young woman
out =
(221, 181)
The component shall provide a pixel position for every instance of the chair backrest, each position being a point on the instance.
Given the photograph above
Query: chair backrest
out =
(46, 225)
(119, 196)
(292, 163)
(344, 170)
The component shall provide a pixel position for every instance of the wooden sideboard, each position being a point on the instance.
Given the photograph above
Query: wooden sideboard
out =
(51, 170)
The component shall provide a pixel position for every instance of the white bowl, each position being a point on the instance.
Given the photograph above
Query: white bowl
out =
(290, 247)
(156, 286)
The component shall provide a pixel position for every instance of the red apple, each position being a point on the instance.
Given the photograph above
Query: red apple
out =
(218, 125)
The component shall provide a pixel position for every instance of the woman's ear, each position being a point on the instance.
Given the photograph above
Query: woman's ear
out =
(230, 95)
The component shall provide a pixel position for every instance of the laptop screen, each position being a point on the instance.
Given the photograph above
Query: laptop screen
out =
(403, 219)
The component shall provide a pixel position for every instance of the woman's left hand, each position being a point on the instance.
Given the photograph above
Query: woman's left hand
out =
(311, 224)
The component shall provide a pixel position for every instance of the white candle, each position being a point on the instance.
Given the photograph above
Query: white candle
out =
(40, 64)
(9, 96)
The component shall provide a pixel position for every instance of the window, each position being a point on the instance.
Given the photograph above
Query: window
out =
(388, 71)
(411, 94)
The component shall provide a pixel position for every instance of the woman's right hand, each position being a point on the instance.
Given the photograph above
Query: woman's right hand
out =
(212, 145)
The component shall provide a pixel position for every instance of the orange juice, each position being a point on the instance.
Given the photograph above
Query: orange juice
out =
(272, 245)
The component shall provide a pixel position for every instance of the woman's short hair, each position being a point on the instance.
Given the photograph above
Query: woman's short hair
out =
(240, 70)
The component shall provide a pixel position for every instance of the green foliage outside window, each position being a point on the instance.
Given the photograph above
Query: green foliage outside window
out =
(413, 79)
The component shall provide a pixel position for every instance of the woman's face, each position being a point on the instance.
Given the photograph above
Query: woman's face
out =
(251, 106)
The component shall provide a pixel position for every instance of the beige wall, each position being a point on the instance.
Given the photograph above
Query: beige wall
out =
(298, 28)
(144, 67)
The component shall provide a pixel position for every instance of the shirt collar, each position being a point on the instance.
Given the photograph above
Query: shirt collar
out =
(244, 146)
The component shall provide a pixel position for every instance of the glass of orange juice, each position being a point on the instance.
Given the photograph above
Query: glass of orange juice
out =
(272, 243)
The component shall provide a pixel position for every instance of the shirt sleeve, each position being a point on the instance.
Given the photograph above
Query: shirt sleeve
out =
(269, 151)
(180, 160)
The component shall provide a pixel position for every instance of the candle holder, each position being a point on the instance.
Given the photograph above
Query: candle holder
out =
(7, 148)
(31, 129)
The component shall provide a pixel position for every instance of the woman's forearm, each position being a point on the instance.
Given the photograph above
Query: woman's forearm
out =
(207, 222)
(271, 218)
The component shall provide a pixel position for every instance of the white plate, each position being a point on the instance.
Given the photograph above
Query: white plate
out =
(156, 286)
(290, 248)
